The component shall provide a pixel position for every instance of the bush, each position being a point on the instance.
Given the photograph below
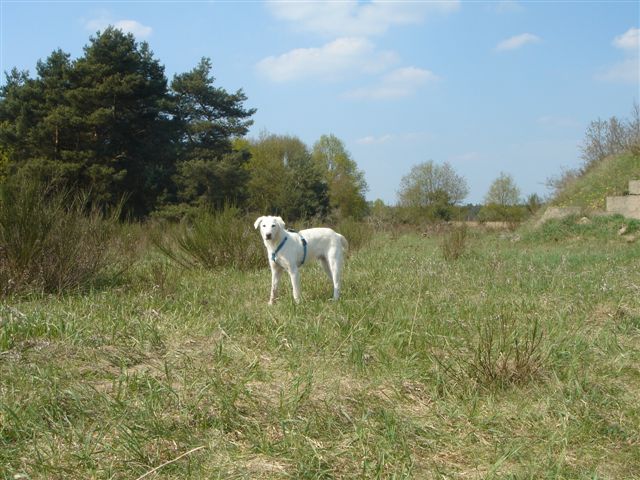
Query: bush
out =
(454, 243)
(358, 234)
(502, 213)
(51, 241)
(213, 239)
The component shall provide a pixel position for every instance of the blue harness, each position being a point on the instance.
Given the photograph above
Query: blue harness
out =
(284, 240)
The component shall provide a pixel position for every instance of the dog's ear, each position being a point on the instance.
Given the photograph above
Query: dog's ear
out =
(280, 222)
(257, 222)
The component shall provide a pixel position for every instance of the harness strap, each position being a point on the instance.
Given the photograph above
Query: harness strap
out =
(284, 240)
(304, 246)
(273, 255)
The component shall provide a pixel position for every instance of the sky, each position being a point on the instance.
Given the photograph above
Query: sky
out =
(490, 87)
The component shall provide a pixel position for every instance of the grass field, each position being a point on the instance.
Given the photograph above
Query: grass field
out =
(519, 359)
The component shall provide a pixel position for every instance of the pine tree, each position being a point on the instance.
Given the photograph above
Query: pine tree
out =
(210, 172)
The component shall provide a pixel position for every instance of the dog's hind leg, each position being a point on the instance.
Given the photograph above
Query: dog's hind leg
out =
(327, 269)
(335, 266)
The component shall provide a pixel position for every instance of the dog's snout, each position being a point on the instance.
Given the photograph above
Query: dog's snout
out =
(268, 236)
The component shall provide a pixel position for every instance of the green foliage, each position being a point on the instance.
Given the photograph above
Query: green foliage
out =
(533, 203)
(212, 183)
(51, 241)
(284, 180)
(358, 234)
(107, 123)
(429, 191)
(502, 213)
(347, 185)
(213, 239)
(209, 172)
(503, 191)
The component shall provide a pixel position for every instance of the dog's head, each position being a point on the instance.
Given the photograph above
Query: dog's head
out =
(271, 228)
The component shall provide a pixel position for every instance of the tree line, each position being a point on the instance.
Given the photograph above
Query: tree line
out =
(111, 124)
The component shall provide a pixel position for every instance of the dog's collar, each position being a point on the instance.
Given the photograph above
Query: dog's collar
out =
(275, 252)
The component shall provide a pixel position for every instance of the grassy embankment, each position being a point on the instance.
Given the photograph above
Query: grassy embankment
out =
(610, 177)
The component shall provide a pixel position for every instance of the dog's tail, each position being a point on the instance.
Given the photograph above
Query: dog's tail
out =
(345, 244)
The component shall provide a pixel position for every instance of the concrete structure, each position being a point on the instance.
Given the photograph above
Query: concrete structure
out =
(629, 205)
(556, 213)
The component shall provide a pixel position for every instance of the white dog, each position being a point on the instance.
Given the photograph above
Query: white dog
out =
(289, 250)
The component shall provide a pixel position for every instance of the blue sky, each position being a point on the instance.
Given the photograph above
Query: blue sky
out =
(489, 87)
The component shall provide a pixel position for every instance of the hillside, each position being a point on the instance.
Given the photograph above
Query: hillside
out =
(608, 178)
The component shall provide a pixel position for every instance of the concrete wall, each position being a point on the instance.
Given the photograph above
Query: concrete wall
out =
(555, 213)
(629, 206)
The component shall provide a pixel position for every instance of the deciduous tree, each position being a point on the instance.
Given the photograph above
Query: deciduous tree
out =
(347, 185)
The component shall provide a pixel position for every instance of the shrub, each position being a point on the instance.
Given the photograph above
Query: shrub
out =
(358, 234)
(502, 213)
(213, 239)
(51, 241)
(454, 243)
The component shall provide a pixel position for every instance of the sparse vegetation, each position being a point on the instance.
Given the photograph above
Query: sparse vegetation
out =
(52, 241)
(213, 239)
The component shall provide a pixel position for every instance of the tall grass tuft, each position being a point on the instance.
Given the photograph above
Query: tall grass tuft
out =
(504, 354)
(454, 243)
(213, 239)
(51, 241)
(499, 354)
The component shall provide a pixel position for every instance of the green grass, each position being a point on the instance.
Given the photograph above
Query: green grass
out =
(608, 178)
(520, 359)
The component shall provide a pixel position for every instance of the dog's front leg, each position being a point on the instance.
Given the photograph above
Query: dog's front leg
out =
(294, 274)
(276, 271)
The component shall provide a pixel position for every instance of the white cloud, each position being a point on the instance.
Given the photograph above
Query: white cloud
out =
(517, 41)
(352, 18)
(128, 26)
(630, 40)
(628, 70)
(395, 137)
(399, 83)
(330, 61)
(373, 140)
